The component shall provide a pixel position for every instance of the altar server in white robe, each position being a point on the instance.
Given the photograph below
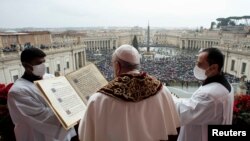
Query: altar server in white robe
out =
(133, 107)
(211, 104)
(33, 118)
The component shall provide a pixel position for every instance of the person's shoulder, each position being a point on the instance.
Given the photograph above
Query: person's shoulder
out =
(163, 94)
(21, 85)
(215, 89)
(98, 97)
(99, 100)
(165, 90)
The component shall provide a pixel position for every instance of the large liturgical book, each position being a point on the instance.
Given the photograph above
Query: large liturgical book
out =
(67, 95)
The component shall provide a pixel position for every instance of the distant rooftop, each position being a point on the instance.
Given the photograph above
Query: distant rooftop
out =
(13, 32)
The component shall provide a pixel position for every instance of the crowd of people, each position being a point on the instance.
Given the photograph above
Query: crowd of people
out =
(176, 69)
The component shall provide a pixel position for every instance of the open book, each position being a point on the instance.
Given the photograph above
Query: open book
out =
(67, 95)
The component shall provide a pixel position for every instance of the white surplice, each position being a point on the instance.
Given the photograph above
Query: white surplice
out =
(33, 118)
(109, 119)
(211, 104)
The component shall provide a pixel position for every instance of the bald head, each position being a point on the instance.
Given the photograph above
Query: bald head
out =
(125, 58)
(128, 54)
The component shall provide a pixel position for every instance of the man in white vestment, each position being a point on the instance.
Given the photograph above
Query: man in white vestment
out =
(211, 104)
(33, 118)
(133, 107)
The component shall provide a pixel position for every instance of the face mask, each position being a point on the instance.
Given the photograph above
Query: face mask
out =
(39, 70)
(199, 73)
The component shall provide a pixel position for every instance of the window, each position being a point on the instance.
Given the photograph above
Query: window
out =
(232, 65)
(243, 68)
(67, 64)
(58, 67)
(47, 69)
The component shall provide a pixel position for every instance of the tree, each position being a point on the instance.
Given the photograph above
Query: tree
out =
(246, 19)
(219, 21)
(235, 19)
(222, 22)
(232, 23)
(135, 43)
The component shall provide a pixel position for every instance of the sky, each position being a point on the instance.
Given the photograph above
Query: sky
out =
(107, 13)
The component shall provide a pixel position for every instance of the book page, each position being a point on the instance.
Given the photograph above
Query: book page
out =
(87, 80)
(63, 99)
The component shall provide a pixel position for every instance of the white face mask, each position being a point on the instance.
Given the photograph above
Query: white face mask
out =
(39, 70)
(199, 73)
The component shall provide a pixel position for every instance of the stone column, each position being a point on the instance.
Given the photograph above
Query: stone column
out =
(73, 60)
(76, 61)
(79, 59)
(181, 43)
(84, 57)
(1, 53)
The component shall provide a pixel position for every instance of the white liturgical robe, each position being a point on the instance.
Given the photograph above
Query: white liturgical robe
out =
(33, 118)
(211, 104)
(110, 119)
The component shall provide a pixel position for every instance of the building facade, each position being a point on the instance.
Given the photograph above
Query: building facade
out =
(237, 61)
(62, 58)
(100, 43)
(66, 50)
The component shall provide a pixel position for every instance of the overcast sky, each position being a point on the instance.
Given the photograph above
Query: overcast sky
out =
(90, 13)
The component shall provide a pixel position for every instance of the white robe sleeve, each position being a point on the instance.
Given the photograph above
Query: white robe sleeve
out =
(196, 110)
(36, 114)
